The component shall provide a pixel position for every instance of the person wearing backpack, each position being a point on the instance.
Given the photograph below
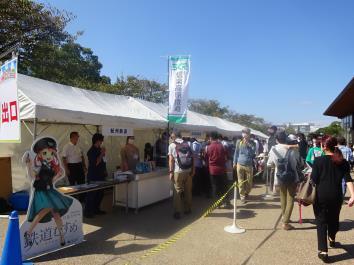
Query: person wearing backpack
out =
(245, 152)
(181, 170)
(286, 160)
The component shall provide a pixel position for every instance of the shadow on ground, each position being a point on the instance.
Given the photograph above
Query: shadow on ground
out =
(87, 248)
(348, 255)
(139, 232)
(346, 225)
(241, 214)
(261, 205)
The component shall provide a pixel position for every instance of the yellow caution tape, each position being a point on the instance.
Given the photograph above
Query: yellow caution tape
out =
(173, 239)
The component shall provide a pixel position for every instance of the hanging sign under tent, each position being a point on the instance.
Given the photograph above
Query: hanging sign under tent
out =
(117, 131)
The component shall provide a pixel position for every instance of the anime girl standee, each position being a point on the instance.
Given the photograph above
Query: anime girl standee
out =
(47, 202)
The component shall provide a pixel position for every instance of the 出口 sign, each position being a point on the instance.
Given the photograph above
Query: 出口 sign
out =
(10, 127)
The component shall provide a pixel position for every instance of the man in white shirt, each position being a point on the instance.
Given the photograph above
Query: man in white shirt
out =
(74, 162)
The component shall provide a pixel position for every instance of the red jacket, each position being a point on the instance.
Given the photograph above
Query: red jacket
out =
(216, 157)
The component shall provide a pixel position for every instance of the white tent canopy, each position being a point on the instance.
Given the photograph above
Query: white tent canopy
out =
(55, 103)
(195, 121)
(259, 134)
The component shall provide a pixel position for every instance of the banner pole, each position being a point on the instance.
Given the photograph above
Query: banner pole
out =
(168, 89)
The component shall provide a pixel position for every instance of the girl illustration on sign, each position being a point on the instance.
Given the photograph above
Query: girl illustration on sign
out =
(47, 202)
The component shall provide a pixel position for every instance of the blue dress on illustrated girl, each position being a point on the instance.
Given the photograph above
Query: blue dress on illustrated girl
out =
(46, 167)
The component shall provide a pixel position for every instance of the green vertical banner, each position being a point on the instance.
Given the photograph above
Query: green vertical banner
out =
(179, 72)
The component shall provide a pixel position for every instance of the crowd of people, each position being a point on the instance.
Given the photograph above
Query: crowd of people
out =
(78, 173)
(198, 168)
(208, 168)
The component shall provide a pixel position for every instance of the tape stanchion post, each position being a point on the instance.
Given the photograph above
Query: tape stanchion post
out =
(267, 196)
(234, 229)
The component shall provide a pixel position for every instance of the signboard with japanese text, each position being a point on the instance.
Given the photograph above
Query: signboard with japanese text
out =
(179, 72)
(54, 220)
(117, 131)
(10, 129)
(196, 133)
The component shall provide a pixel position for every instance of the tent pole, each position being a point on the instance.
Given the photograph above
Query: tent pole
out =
(34, 129)
(28, 129)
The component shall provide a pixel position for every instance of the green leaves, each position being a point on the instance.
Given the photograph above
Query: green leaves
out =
(213, 108)
(48, 51)
(30, 23)
(334, 129)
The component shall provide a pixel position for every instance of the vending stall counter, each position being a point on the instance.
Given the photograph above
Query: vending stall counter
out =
(145, 189)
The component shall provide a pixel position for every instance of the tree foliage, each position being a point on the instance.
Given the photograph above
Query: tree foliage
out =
(214, 108)
(208, 107)
(48, 51)
(29, 24)
(137, 87)
(334, 129)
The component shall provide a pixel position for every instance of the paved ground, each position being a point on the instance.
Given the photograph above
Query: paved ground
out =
(120, 238)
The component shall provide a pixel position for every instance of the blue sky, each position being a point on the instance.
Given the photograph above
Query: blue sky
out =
(283, 60)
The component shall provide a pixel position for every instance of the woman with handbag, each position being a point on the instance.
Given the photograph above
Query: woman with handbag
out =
(327, 174)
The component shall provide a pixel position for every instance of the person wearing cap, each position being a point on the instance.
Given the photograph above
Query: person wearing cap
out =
(244, 154)
(288, 189)
(74, 161)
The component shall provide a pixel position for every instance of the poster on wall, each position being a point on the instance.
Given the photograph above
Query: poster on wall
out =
(10, 129)
(179, 71)
(53, 220)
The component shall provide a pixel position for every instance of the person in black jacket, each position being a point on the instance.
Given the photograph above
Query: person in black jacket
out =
(327, 173)
(303, 146)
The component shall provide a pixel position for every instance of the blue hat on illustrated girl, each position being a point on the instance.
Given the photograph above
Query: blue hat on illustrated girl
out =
(43, 143)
